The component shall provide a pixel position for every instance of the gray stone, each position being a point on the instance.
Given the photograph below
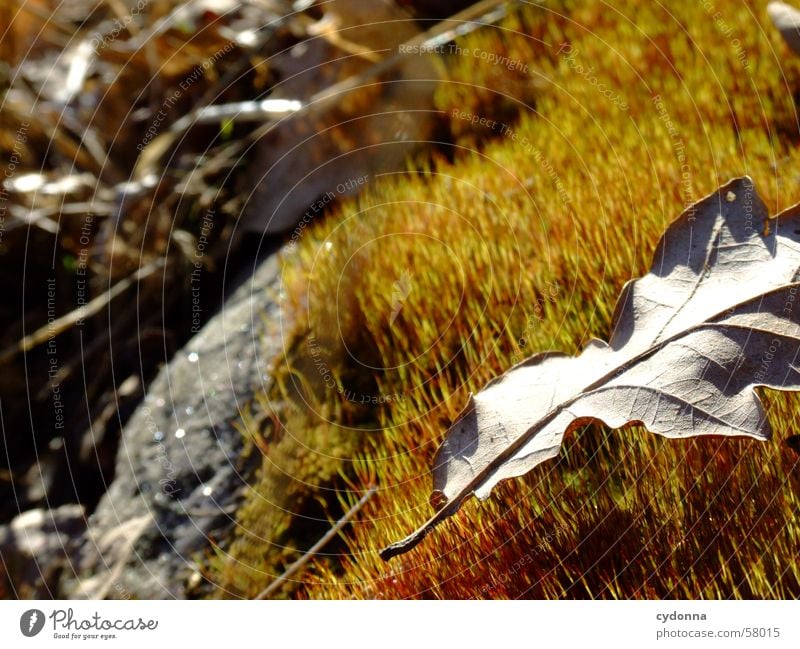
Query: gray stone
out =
(342, 138)
(180, 471)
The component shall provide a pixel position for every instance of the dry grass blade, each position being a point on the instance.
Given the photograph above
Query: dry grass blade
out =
(66, 322)
(481, 14)
(314, 549)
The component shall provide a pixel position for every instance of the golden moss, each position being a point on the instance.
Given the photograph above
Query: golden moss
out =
(435, 281)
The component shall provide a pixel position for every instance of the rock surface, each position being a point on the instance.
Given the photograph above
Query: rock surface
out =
(342, 139)
(180, 467)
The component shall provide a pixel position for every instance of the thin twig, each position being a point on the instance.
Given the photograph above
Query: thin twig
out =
(65, 322)
(293, 568)
(481, 14)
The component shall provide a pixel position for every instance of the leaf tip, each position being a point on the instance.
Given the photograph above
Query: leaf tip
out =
(404, 545)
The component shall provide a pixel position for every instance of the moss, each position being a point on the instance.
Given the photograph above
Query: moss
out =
(434, 281)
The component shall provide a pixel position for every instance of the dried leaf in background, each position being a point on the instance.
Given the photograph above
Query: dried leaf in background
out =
(369, 129)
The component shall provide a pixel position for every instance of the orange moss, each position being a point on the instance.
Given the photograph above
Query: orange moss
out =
(523, 246)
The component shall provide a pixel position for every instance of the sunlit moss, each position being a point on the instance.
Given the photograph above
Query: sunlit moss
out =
(433, 282)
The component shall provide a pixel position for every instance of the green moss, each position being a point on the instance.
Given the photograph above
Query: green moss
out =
(433, 282)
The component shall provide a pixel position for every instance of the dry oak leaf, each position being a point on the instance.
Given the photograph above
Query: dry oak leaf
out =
(717, 315)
